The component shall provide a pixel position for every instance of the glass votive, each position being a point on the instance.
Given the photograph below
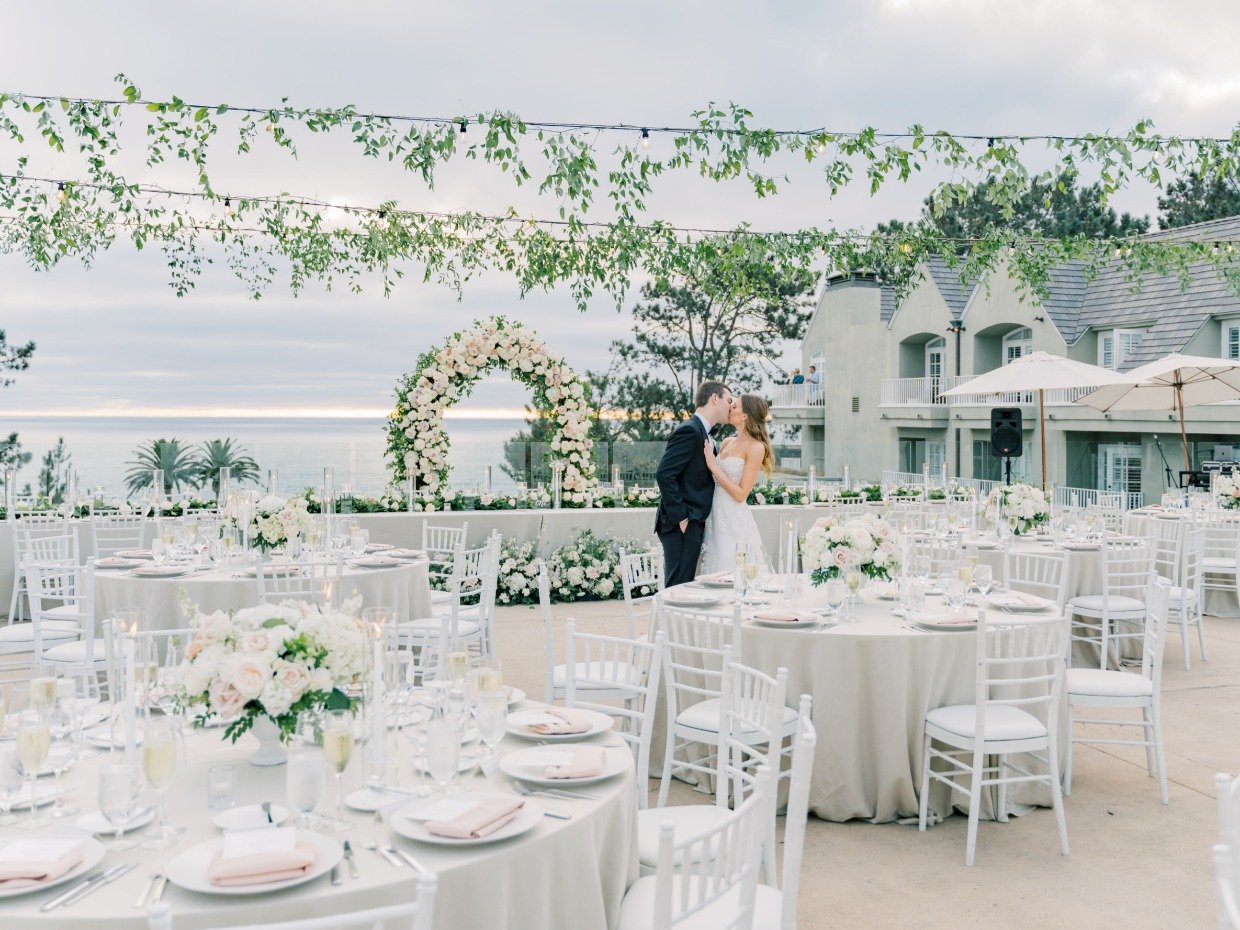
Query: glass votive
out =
(221, 779)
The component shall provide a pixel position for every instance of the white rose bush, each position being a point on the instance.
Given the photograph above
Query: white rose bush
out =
(588, 568)
(1022, 505)
(418, 441)
(835, 545)
(274, 661)
(1227, 492)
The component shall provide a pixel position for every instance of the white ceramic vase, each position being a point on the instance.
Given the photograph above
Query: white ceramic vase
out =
(270, 750)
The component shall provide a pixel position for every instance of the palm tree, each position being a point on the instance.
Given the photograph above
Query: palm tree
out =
(215, 454)
(172, 456)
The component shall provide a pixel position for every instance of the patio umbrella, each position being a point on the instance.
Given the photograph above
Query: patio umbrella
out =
(1171, 383)
(1041, 372)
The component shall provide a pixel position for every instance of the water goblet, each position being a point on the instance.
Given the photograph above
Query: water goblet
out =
(492, 718)
(955, 595)
(63, 730)
(837, 593)
(443, 751)
(118, 799)
(983, 577)
(306, 774)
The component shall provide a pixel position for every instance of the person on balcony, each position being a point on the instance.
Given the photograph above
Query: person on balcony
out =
(797, 377)
(814, 380)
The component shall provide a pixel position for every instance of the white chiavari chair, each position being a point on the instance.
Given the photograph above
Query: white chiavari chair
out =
(1227, 851)
(631, 669)
(1094, 687)
(317, 582)
(153, 648)
(416, 654)
(556, 676)
(1118, 613)
(1042, 574)
(29, 640)
(84, 657)
(940, 553)
(112, 533)
(1167, 537)
(1020, 666)
(25, 531)
(416, 916)
(706, 878)
(440, 544)
(465, 609)
(641, 581)
(1186, 594)
(1219, 556)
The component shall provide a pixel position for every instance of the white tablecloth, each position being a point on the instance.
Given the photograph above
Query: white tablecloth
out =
(404, 588)
(569, 875)
(872, 683)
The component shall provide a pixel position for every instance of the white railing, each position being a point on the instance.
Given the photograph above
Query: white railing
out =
(1093, 497)
(920, 392)
(790, 395)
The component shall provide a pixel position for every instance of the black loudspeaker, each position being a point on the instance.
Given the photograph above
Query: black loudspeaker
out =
(1005, 432)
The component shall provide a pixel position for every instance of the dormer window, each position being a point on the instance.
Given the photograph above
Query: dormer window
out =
(1016, 344)
(1231, 340)
(1116, 346)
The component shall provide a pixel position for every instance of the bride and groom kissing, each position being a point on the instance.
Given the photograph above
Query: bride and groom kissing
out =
(703, 515)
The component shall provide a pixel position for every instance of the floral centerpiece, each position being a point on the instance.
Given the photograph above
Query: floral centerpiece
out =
(270, 663)
(905, 490)
(872, 493)
(642, 497)
(835, 545)
(1022, 505)
(1227, 492)
(272, 521)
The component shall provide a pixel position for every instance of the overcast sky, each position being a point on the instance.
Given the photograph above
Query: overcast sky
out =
(116, 339)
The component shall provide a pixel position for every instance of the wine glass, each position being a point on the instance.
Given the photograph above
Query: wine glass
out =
(118, 799)
(492, 718)
(338, 740)
(443, 750)
(983, 577)
(62, 730)
(34, 740)
(10, 783)
(837, 593)
(306, 776)
(853, 579)
(159, 551)
(159, 765)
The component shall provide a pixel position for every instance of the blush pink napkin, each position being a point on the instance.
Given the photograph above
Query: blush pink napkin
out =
(22, 874)
(570, 722)
(587, 762)
(261, 868)
(787, 616)
(718, 577)
(477, 822)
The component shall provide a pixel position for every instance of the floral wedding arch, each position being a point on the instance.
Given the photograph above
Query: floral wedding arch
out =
(417, 440)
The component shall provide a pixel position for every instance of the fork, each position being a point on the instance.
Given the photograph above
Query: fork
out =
(380, 851)
(558, 794)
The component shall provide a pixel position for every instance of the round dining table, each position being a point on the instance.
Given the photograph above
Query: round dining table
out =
(872, 680)
(563, 874)
(405, 588)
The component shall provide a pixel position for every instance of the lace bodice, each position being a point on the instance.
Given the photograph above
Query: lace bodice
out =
(730, 524)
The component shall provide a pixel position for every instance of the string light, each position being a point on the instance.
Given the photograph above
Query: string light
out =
(464, 124)
(645, 138)
(61, 194)
(228, 207)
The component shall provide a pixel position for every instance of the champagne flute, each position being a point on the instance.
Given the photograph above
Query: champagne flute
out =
(443, 750)
(10, 783)
(159, 765)
(118, 799)
(492, 718)
(338, 740)
(34, 740)
(458, 667)
(751, 575)
(853, 579)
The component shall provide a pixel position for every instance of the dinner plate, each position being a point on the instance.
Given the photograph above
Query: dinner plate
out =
(708, 581)
(92, 854)
(379, 547)
(249, 817)
(406, 554)
(945, 625)
(189, 869)
(376, 561)
(523, 766)
(599, 723)
(976, 543)
(99, 824)
(274, 569)
(527, 818)
(113, 563)
(1080, 546)
(105, 737)
(805, 619)
(886, 591)
(44, 793)
(134, 554)
(160, 571)
(1025, 605)
(691, 599)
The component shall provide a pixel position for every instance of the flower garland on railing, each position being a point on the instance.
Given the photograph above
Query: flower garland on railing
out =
(417, 440)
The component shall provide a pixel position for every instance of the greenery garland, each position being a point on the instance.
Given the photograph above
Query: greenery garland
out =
(417, 441)
(261, 237)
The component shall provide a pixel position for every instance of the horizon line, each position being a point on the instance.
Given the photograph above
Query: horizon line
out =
(261, 413)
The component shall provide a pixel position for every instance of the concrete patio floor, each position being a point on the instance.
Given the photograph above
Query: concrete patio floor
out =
(1134, 862)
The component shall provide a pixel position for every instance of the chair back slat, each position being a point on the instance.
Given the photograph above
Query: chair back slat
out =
(1042, 574)
(317, 582)
(116, 532)
(1020, 663)
(806, 742)
(641, 580)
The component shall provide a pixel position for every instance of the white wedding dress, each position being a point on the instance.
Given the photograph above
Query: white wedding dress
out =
(730, 523)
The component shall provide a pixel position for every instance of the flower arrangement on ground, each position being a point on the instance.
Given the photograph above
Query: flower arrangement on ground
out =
(274, 661)
(905, 491)
(1227, 492)
(417, 440)
(835, 545)
(642, 497)
(518, 573)
(872, 493)
(1023, 506)
(587, 568)
(271, 521)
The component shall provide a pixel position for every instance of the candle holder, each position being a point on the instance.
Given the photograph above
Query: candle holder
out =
(10, 492)
(273, 481)
(157, 490)
(224, 486)
(411, 490)
(557, 484)
(811, 484)
(847, 482)
(486, 479)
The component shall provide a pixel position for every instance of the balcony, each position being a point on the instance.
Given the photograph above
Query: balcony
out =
(796, 395)
(923, 392)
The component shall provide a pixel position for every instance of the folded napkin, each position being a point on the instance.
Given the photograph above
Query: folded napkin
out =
(1019, 598)
(587, 762)
(946, 619)
(786, 616)
(717, 578)
(261, 868)
(480, 820)
(571, 721)
(46, 862)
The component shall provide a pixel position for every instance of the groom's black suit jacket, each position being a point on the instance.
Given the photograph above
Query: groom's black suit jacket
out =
(686, 486)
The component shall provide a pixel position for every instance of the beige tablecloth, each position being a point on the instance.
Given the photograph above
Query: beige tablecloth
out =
(562, 875)
(404, 588)
(872, 683)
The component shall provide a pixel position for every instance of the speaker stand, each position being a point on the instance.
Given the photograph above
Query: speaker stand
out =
(1007, 469)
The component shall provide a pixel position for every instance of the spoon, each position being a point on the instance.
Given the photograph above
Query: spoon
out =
(266, 805)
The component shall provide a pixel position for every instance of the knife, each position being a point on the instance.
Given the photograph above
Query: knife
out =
(417, 866)
(81, 888)
(108, 878)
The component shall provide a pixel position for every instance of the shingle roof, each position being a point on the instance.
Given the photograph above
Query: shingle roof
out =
(955, 294)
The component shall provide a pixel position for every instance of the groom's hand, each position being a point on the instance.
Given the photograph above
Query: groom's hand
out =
(684, 525)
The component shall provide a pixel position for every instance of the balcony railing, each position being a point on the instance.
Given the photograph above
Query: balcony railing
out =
(921, 392)
(796, 395)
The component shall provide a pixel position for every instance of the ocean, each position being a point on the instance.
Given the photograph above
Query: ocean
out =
(102, 448)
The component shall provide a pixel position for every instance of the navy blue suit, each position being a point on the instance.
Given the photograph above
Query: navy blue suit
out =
(686, 491)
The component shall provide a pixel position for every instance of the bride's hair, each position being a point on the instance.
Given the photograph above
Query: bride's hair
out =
(756, 411)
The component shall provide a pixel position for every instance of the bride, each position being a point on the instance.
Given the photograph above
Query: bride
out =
(736, 469)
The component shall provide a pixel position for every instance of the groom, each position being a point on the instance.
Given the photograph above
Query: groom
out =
(686, 487)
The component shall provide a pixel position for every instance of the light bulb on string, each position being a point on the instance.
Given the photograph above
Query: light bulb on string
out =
(645, 138)
(61, 194)
(228, 207)
(464, 124)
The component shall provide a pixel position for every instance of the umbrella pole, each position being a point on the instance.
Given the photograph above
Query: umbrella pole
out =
(1179, 399)
(1042, 431)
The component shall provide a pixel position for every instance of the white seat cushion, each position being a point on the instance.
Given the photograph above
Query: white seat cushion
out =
(1176, 594)
(705, 716)
(63, 612)
(637, 908)
(1219, 565)
(76, 652)
(52, 630)
(686, 820)
(1003, 722)
(1095, 681)
(587, 674)
(465, 613)
(441, 597)
(463, 627)
(1115, 604)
